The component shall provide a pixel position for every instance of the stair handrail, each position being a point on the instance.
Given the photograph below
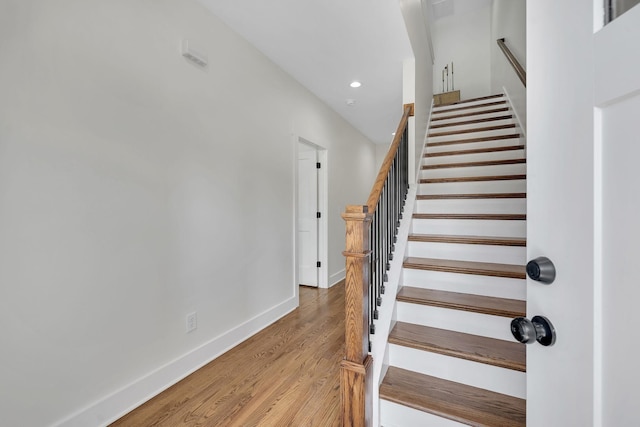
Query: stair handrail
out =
(376, 190)
(370, 234)
(520, 71)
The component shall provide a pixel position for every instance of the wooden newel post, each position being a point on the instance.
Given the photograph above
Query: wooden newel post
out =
(355, 369)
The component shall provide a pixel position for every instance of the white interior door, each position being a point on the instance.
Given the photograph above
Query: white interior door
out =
(617, 102)
(307, 219)
(582, 145)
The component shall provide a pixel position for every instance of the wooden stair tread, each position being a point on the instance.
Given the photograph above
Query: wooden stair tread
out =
(475, 151)
(473, 164)
(458, 402)
(464, 302)
(472, 122)
(473, 130)
(474, 113)
(473, 179)
(468, 107)
(476, 348)
(490, 217)
(481, 98)
(466, 267)
(469, 240)
(470, 140)
(472, 196)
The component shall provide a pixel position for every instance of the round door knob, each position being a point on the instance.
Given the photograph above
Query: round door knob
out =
(539, 328)
(541, 270)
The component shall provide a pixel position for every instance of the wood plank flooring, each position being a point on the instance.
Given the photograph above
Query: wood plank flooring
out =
(286, 375)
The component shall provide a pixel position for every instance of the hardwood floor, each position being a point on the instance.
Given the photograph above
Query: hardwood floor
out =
(286, 375)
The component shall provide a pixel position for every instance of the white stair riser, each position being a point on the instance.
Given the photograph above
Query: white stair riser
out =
(455, 320)
(476, 109)
(464, 252)
(474, 145)
(470, 227)
(489, 377)
(519, 168)
(455, 128)
(450, 117)
(395, 415)
(470, 135)
(478, 102)
(474, 206)
(473, 187)
(500, 287)
(475, 157)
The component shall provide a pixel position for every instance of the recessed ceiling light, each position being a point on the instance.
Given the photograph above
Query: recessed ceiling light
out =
(355, 84)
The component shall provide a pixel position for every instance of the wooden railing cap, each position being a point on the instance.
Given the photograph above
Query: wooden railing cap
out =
(357, 209)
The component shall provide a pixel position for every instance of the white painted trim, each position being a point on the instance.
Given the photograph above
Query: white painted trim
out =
(411, 143)
(424, 145)
(323, 226)
(323, 207)
(294, 266)
(335, 278)
(515, 113)
(120, 402)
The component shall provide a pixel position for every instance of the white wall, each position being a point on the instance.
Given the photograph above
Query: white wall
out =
(463, 38)
(381, 152)
(418, 82)
(509, 21)
(135, 188)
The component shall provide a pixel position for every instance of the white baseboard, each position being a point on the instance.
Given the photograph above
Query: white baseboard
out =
(335, 278)
(119, 403)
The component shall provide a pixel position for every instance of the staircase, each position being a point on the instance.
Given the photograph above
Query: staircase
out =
(452, 360)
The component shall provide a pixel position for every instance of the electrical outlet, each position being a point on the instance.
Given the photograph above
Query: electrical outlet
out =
(192, 322)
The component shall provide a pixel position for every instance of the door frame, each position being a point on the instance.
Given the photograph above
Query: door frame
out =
(323, 203)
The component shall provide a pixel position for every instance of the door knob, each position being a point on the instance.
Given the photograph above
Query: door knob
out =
(541, 270)
(539, 328)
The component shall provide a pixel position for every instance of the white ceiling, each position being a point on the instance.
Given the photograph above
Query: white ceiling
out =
(444, 8)
(326, 44)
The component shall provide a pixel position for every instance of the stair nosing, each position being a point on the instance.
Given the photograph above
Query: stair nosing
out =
(474, 164)
(468, 107)
(472, 130)
(472, 196)
(468, 240)
(455, 401)
(475, 113)
(481, 304)
(510, 271)
(472, 140)
(475, 151)
(486, 178)
(475, 348)
(472, 122)
(465, 216)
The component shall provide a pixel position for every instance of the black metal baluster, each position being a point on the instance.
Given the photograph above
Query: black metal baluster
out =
(385, 226)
